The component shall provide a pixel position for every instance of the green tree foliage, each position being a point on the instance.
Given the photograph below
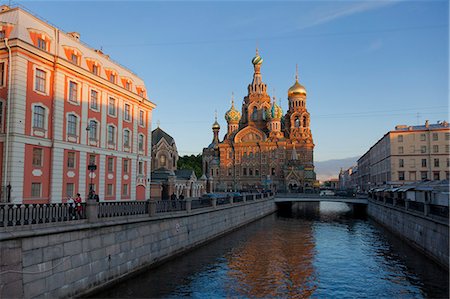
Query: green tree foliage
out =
(191, 162)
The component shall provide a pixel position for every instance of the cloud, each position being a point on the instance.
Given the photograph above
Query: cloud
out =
(337, 10)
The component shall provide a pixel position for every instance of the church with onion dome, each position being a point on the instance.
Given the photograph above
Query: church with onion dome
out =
(263, 148)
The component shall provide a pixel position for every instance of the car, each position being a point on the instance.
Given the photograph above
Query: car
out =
(326, 193)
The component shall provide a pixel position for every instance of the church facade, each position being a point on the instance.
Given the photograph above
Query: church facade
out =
(263, 148)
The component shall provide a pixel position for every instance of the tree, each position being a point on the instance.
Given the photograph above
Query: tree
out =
(191, 162)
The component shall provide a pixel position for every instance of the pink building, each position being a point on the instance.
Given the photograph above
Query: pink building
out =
(67, 106)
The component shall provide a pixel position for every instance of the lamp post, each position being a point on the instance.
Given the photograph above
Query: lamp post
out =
(91, 167)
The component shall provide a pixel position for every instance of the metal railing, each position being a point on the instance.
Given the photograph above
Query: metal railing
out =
(28, 214)
(164, 206)
(122, 208)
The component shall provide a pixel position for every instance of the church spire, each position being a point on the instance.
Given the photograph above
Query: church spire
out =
(257, 85)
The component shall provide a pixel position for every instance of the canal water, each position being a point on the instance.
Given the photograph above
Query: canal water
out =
(332, 253)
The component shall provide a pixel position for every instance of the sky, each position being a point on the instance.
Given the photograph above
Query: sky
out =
(367, 65)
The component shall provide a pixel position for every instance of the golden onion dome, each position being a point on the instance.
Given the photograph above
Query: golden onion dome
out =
(296, 89)
(216, 125)
(232, 115)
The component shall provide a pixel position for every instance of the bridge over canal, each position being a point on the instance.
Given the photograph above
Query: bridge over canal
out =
(302, 197)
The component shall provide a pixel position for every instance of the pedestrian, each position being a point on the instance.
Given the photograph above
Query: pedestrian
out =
(181, 197)
(95, 196)
(71, 205)
(78, 207)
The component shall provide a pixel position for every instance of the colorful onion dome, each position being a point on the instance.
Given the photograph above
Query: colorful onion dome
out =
(232, 115)
(257, 59)
(274, 112)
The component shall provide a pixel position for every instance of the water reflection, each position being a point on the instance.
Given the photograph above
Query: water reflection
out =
(330, 254)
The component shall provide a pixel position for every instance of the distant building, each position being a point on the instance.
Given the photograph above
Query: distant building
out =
(64, 106)
(166, 178)
(263, 147)
(348, 179)
(331, 184)
(407, 154)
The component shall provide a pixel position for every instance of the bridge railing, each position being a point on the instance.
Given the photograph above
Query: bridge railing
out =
(12, 215)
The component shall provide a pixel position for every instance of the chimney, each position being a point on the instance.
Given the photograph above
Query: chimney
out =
(426, 124)
(75, 35)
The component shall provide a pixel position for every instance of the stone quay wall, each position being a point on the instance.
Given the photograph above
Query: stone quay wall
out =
(425, 233)
(66, 259)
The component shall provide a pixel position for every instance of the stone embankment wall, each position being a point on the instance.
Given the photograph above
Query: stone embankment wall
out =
(429, 235)
(66, 260)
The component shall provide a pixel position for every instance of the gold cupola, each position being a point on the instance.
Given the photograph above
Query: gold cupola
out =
(296, 89)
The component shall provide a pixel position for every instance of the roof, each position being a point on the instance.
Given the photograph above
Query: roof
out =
(184, 173)
(161, 174)
(158, 134)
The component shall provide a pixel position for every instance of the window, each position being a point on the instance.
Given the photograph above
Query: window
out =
(126, 112)
(112, 78)
(70, 189)
(125, 190)
(2, 73)
(229, 171)
(128, 85)
(435, 136)
(424, 162)
(244, 171)
(256, 171)
(110, 164)
(401, 175)
(126, 138)
(35, 189)
(39, 117)
(93, 130)
(400, 138)
(297, 122)
(423, 149)
(95, 69)
(110, 190)
(400, 149)
(112, 106)
(255, 114)
(401, 163)
(141, 167)
(71, 160)
(40, 80)
(42, 44)
(73, 91)
(37, 157)
(273, 171)
(448, 162)
(92, 159)
(250, 171)
(447, 136)
(162, 159)
(125, 165)
(72, 125)
(94, 99)
(436, 162)
(447, 148)
(141, 118)
(141, 143)
(423, 137)
(111, 135)
(74, 58)
(436, 175)
(436, 148)
(423, 175)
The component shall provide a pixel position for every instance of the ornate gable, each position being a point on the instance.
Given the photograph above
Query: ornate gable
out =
(250, 134)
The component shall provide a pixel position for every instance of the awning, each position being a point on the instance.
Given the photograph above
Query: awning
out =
(405, 188)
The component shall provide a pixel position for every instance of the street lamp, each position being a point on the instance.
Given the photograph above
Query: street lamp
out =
(92, 168)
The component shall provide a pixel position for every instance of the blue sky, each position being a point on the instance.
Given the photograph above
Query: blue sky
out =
(367, 65)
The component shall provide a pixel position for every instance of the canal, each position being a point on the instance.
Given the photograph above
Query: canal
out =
(332, 253)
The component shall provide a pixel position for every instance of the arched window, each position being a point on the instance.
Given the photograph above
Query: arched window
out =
(264, 114)
(255, 114)
(162, 159)
(126, 138)
(39, 117)
(111, 134)
(305, 121)
(297, 122)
